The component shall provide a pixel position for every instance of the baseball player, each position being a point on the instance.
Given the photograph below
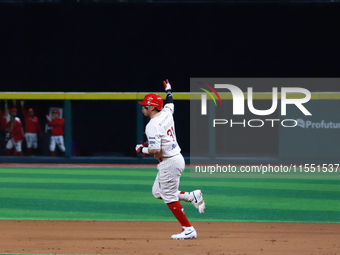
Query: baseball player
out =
(2, 121)
(32, 128)
(7, 117)
(57, 125)
(2, 128)
(10, 112)
(16, 134)
(162, 143)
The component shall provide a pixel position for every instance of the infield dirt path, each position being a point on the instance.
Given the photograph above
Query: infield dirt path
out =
(114, 237)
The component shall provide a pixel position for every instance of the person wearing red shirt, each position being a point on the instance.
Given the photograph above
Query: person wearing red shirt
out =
(2, 128)
(7, 117)
(2, 121)
(16, 134)
(57, 137)
(32, 128)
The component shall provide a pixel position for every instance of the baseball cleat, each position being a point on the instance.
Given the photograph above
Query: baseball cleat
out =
(187, 233)
(198, 201)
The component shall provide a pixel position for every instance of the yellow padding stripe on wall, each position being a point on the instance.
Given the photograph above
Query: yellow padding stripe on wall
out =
(140, 95)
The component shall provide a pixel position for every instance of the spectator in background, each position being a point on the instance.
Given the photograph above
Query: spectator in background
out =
(13, 110)
(9, 113)
(6, 112)
(3, 121)
(16, 134)
(57, 133)
(32, 128)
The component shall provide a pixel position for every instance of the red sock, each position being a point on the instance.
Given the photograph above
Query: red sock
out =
(52, 153)
(15, 152)
(178, 212)
(29, 151)
(20, 153)
(8, 152)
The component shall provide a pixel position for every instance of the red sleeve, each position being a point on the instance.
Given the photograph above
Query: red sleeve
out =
(61, 121)
(2, 122)
(24, 113)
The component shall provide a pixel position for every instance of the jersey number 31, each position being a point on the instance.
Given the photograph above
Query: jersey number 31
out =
(171, 133)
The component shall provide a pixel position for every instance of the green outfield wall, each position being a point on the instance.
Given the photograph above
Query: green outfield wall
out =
(101, 133)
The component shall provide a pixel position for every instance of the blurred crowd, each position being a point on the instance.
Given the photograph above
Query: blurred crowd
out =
(18, 135)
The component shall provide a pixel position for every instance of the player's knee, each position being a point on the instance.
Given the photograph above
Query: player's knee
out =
(61, 147)
(170, 201)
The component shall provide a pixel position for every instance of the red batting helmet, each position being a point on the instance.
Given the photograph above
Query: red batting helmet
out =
(153, 100)
(30, 109)
(13, 110)
(56, 111)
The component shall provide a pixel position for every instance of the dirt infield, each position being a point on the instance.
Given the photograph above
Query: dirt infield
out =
(114, 237)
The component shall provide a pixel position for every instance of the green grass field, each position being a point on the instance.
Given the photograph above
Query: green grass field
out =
(125, 194)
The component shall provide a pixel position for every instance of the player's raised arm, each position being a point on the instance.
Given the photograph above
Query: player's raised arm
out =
(49, 119)
(23, 110)
(1, 114)
(6, 108)
(169, 100)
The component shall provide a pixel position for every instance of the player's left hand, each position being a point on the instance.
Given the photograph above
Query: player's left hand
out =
(167, 85)
(139, 147)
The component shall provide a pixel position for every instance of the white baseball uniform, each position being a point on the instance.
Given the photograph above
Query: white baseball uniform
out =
(57, 140)
(11, 142)
(160, 132)
(31, 140)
